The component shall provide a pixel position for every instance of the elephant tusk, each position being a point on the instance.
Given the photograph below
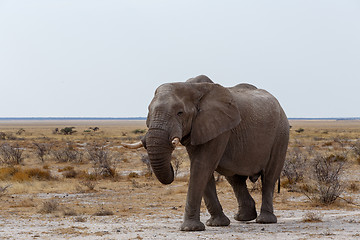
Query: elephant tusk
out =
(132, 145)
(175, 141)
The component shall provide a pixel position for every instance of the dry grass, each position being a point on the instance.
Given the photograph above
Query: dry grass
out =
(312, 217)
(78, 189)
(49, 206)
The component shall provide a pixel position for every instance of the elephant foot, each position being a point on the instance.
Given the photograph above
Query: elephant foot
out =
(192, 225)
(246, 214)
(266, 217)
(218, 221)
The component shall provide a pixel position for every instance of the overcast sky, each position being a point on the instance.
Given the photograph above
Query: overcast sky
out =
(92, 58)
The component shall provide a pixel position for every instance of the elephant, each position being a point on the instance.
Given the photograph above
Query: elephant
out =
(240, 132)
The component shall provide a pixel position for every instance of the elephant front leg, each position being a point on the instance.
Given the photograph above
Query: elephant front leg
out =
(197, 184)
(213, 205)
(204, 160)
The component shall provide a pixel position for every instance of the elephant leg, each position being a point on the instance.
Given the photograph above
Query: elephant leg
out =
(213, 205)
(204, 160)
(267, 208)
(246, 203)
(268, 180)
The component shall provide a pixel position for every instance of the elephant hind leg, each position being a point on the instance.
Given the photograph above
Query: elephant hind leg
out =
(246, 203)
(268, 180)
(267, 209)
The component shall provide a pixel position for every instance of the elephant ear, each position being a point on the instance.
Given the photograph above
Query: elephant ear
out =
(217, 113)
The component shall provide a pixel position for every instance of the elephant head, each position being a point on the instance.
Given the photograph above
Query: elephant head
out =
(196, 111)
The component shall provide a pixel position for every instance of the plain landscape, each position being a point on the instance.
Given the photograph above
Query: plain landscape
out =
(72, 179)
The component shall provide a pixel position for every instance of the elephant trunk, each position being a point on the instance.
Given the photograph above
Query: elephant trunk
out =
(159, 149)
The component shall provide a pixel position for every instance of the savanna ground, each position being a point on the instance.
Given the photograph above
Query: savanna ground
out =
(85, 185)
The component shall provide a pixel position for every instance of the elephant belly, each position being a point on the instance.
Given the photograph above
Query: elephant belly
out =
(245, 160)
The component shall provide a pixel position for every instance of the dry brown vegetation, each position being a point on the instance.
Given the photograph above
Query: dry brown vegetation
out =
(87, 174)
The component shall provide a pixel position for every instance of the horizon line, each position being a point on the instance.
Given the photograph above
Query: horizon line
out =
(144, 118)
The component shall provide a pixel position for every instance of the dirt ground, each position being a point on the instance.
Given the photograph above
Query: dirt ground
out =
(134, 205)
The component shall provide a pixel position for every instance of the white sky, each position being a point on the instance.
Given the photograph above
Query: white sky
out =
(102, 58)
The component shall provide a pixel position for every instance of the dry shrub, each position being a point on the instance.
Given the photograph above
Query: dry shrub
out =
(312, 217)
(11, 154)
(69, 212)
(3, 190)
(69, 153)
(354, 187)
(356, 150)
(49, 206)
(42, 150)
(87, 176)
(294, 167)
(327, 178)
(80, 219)
(103, 160)
(39, 174)
(70, 174)
(145, 159)
(133, 175)
(177, 160)
(103, 212)
(90, 185)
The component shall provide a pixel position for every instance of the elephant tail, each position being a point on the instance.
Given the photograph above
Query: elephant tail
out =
(279, 185)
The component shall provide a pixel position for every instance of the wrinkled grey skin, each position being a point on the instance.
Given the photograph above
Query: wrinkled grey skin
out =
(239, 132)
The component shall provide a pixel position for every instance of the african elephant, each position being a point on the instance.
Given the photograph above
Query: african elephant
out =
(241, 132)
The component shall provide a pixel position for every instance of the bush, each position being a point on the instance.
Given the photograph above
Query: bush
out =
(294, 166)
(11, 155)
(139, 131)
(312, 217)
(145, 159)
(356, 150)
(41, 150)
(327, 174)
(68, 154)
(103, 212)
(102, 159)
(49, 206)
(300, 130)
(68, 130)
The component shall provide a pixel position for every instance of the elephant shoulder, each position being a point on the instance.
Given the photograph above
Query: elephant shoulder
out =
(245, 86)
(200, 79)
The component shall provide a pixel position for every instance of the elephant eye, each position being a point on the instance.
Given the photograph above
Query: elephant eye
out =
(180, 113)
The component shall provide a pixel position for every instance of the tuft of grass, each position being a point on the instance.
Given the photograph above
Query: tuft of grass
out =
(49, 206)
(133, 175)
(70, 212)
(103, 212)
(20, 175)
(139, 131)
(90, 185)
(80, 219)
(354, 187)
(3, 190)
(312, 217)
(39, 174)
(7, 172)
(70, 174)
